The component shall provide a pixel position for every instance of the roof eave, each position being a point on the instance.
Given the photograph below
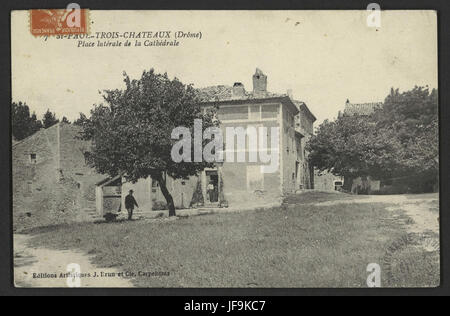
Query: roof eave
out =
(281, 99)
(107, 181)
(308, 111)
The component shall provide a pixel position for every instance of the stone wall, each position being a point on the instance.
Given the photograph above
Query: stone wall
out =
(324, 181)
(57, 186)
(74, 166)
(289, 153)
(32, 180)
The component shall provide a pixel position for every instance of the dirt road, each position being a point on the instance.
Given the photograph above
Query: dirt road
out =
(40, 267)
(422, 209)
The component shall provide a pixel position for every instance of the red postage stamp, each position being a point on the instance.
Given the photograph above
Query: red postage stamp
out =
(59, 21)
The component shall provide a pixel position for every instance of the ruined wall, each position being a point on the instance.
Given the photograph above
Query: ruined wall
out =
(74, 167)
(47, 191)
(38, 196)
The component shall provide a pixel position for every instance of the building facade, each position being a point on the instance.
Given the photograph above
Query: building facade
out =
(243, 182)
(52, 182)
(326, 181)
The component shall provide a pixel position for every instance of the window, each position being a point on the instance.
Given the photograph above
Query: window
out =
(87, 156)
(33, 158)
(255, 113)
(233, 113)
(269, 111)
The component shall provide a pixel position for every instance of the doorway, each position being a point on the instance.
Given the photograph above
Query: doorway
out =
(212, 186)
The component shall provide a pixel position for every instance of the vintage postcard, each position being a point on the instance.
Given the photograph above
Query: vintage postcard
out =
(225, 149)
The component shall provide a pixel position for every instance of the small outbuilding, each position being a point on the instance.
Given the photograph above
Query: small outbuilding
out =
(108, 195)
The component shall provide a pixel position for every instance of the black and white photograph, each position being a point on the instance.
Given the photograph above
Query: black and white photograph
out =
(225, 148)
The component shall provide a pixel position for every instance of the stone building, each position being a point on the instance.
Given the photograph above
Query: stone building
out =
(304, 124)
(361, 108)
(326, 181)
(51, 181)
(240, 183)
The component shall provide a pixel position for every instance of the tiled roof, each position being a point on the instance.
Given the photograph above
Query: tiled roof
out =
(361, 108)
(224, 93)
(302, 106)
(33, 136)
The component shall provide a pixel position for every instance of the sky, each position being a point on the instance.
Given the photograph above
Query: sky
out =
(324, 57)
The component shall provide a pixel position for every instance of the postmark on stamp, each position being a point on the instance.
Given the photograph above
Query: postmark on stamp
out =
(72, 20)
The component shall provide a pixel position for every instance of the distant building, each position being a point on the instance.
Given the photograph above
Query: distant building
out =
(51, 181)
(366, 185)
(326, 181)
(240, 183)
(361, 108)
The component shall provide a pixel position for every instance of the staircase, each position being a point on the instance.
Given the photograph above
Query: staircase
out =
(90, 214)
(210, 205)
(145, 214)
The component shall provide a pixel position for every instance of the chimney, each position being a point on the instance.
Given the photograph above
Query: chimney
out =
(259, 82)
(238, 90)
(289, 93)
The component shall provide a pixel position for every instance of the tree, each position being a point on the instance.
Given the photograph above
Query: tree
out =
(23, 124)
(400, 140)
(351, 147)
(65, 120)
(413, 117)
(49, 119)
(131, 135)
(82, 120)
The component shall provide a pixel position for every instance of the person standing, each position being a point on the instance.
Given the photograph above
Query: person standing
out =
(130, 203)
(211, 192)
